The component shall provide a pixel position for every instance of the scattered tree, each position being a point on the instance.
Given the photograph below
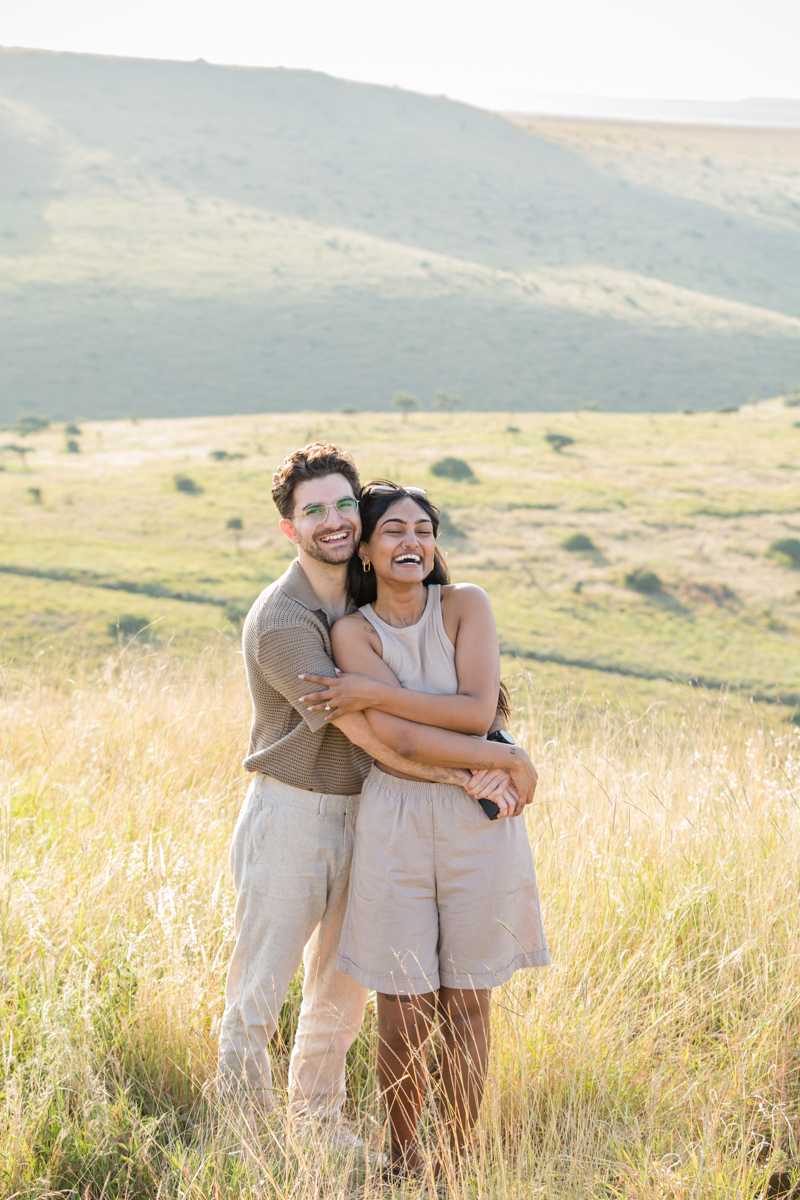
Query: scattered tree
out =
(641, 579)
(73, 446)
(446, 402)
(129, 627)
(452, 468)
(35, 494)
(22, 451)
(349, 410)
(31, 423)
(72, 430)
(185, 483)
(405, 403)
(579, 543)
(559, 441)
(786, 548)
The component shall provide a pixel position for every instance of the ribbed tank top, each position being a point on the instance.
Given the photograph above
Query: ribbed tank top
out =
(421, 655)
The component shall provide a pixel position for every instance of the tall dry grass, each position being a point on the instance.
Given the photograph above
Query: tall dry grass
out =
(658, 1056)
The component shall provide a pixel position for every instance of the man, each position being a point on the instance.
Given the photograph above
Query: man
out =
(292, 845)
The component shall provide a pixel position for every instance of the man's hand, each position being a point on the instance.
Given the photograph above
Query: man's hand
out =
(348, 693)
(497, 785)
(523, 775)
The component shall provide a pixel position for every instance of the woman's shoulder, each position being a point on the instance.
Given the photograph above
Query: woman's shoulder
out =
(463, 595)
(353, 626)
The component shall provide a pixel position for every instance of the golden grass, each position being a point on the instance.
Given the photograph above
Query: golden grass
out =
(657, 1056)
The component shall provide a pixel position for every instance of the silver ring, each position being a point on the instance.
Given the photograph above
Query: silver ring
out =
(327, 708)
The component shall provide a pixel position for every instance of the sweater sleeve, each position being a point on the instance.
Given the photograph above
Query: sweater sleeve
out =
(286, 652)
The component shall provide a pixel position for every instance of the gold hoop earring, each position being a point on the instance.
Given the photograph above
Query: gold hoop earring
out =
(366, 565)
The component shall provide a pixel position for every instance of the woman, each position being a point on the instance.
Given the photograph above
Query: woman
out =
(443, 902)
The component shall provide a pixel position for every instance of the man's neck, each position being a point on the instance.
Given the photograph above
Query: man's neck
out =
(329, 581)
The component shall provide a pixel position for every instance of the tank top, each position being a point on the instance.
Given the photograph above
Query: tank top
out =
(421, 655)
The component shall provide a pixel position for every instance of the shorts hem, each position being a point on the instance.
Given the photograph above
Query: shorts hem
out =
(401, 985)
(461, 980)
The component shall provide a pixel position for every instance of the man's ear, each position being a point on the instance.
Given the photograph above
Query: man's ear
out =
(288, 528)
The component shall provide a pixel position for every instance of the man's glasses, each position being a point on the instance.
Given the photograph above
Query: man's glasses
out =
(386, 489)
(318, 512)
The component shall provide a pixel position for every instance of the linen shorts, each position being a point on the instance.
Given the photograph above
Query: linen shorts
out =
(439, 894)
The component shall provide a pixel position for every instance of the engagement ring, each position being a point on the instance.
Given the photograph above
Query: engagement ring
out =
(327, 708)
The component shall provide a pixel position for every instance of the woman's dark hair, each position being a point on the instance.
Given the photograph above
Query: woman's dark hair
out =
(362, 587)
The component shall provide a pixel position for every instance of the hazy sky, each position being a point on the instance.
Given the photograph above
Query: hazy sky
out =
(494, 53)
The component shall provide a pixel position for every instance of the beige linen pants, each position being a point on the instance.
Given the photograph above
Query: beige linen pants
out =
(290, 861)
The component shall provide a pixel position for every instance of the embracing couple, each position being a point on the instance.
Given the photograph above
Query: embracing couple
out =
(363, 848)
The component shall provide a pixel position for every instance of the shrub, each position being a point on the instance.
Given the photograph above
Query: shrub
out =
(786, 548)
(73, 447)
(452, 468)
(686, 412)
(35, 494)
(559, 441)
(349, 410)
(234, 523)
(72, 430)
(641, 579)
(728, 408)
(224, 456)
(185, 483)
(130, 626)
(512, 429)
(578, 542)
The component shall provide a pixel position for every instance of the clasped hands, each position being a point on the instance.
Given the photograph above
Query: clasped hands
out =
(352, 692)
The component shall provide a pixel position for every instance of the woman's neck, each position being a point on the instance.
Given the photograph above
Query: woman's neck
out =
(400, 605)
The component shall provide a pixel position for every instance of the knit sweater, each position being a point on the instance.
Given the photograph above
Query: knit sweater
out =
(287, 633)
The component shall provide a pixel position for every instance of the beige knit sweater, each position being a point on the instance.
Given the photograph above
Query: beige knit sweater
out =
(286, 633)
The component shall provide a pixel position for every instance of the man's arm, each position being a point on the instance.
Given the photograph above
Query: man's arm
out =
(424, 744)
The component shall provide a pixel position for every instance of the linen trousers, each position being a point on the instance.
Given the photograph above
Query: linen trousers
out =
(290, 861)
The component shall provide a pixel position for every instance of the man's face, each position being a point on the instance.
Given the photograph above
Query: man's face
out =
(331, 538)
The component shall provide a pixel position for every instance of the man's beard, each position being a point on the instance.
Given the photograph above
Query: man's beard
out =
(316, 550)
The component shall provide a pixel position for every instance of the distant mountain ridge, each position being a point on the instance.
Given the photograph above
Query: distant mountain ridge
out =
(180, 238)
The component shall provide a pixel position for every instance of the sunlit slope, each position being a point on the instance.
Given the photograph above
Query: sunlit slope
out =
(184, 239)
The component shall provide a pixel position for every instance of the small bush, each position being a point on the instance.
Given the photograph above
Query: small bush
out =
(686, 412)
(559, 441)
(73, 447)
(452, 468)
(512, 429)
(129, 626)
(641, 579)
(234, 523)
(35, 494)
(224, 455)
(786, 548)
(793, 399)
(578, 543)
(72, 430)
(349, 410)
(728, 408)
(185, 483)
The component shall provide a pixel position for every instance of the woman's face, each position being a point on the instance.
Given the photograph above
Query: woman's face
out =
(402, 546)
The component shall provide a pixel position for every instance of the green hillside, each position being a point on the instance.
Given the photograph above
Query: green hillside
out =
(643, 553)
(182, 239)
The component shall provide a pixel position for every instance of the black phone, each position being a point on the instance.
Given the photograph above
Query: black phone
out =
(489, 807)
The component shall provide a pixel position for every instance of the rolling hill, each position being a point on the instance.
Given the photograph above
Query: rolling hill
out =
(183, 239)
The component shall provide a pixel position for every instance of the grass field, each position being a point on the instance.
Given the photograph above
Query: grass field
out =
(658, 1056)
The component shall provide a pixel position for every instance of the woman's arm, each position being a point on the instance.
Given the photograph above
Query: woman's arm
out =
(367, 682)
(423, 744)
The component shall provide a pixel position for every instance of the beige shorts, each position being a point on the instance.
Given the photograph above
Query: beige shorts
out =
(439, 894)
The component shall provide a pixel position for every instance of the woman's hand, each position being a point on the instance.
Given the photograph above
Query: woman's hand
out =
(496, 784)
(349, 692)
